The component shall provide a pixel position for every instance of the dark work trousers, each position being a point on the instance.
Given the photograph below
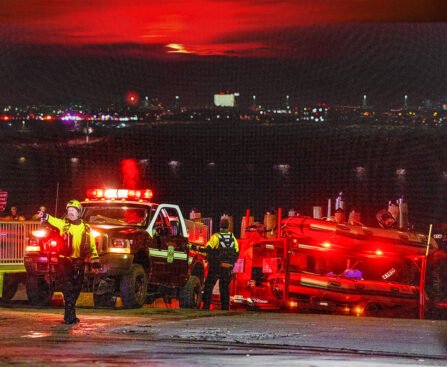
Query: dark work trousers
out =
(70, 277)
(215, 273)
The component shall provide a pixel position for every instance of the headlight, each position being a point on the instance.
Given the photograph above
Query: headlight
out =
(40, 233)
(119, 246)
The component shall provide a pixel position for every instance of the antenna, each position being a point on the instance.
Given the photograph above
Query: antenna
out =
(57, 199)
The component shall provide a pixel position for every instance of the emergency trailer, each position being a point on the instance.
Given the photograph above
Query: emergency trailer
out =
(318, 265)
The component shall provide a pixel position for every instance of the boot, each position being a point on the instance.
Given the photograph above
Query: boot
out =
(71, 315)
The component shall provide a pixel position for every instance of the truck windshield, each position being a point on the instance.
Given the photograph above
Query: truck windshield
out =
(116, 215)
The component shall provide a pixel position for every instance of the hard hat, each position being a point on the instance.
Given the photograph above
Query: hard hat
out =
(224, 223)
(74, 204)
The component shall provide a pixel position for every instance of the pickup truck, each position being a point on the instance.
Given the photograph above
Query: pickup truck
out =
(146, 251)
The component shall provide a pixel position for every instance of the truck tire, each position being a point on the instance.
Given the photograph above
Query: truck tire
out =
(104, 292)
(106, 300)
(38, 290)
(191, 294)
(133, 287)
(10, 285)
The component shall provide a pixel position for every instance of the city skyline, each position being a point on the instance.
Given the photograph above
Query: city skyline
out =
(66, 52)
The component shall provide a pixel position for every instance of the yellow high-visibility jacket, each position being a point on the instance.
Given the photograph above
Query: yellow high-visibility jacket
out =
(214, 241)
(82, 242)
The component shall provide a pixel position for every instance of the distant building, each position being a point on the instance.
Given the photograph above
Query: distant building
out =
(226, 99)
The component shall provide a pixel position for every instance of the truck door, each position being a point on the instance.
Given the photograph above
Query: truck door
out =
(169, 248)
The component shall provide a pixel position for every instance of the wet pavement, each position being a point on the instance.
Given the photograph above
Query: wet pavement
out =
(173, 337)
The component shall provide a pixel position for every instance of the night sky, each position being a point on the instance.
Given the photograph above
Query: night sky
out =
(62, 51)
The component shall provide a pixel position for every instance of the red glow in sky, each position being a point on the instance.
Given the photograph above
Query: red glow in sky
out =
(200, 27)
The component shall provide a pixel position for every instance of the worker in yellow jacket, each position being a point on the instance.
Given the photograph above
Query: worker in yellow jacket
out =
(78, 246)
(222, 252)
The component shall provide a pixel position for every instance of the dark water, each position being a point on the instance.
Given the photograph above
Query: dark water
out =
(246, 171)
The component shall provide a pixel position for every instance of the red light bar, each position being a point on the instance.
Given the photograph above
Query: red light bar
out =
(146, 194)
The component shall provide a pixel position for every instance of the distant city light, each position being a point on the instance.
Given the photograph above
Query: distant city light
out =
(283, 168)
(360, 172)
(69, 117)
(401, 172)
(174, 166)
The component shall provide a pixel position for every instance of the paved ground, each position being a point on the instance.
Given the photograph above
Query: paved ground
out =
(173, 337)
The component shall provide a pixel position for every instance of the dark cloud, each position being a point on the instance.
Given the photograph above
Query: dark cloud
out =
(332, 62)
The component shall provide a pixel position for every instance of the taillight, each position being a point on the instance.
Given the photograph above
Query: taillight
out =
(293, 304)
(358, 310)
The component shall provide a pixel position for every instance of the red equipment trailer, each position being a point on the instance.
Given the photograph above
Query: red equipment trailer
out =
(317, 265)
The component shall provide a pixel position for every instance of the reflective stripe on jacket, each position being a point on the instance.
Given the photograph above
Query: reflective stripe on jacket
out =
(225, 238)
(82, 241)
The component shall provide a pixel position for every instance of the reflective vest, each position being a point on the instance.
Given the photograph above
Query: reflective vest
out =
(226, 240)
(78, 241)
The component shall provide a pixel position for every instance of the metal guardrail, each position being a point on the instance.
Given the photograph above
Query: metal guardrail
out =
(13, 239)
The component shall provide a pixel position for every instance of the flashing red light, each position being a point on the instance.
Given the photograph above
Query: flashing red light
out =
(112, 194)
(379, 252)
(326, 245)
(132, 98)
(53, 243)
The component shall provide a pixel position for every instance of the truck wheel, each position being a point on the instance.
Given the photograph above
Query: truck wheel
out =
(191, 294)
(10, 285)
(106, 300)
(39, 292)
(133, 287)
(104, 292)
